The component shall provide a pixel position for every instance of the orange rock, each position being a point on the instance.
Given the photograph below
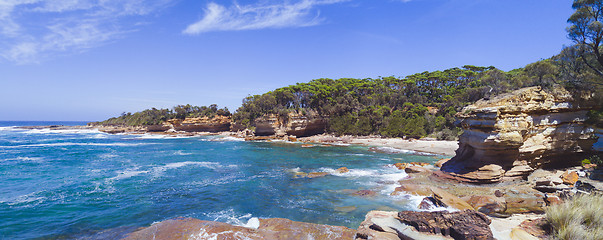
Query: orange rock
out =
(419, 163)
(552, 200)
(342, 170)
(413, 189)
(415, 169)
(441, 162)
(307, 145)
(292, 138)
(401, 166)
(569, 178)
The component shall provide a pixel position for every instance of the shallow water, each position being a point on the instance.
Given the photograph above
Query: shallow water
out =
(76, 183)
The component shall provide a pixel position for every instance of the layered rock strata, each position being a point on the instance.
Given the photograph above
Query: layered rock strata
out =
(202, 124)
(513, 134)
(466, 224)
(294, 124)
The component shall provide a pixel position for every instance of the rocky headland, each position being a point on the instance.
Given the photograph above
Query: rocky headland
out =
(511, 135)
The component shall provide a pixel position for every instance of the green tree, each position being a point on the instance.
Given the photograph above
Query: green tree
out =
(586, 31)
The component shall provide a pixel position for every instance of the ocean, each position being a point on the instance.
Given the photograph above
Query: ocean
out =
(81, 184)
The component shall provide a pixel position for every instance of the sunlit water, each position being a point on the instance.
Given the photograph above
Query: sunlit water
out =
(76, 183)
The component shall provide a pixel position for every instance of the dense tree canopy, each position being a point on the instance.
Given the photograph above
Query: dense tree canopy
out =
(417, 105)
(155, 116)
(586, 31)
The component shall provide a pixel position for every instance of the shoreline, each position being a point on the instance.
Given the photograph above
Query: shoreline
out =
(431, 146)
(425, 145)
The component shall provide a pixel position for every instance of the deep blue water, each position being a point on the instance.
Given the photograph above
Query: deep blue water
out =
(74, 183)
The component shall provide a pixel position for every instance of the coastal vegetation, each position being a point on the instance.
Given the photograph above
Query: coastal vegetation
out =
(418, 105)
(578, 218)
(155, 116)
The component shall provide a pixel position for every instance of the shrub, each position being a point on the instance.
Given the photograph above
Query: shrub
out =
(578, 218)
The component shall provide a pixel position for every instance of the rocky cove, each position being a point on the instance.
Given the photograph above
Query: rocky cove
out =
(519, 153)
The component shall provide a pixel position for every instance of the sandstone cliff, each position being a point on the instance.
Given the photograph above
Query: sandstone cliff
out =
(202, 124)
(513, 134)
(294, 124)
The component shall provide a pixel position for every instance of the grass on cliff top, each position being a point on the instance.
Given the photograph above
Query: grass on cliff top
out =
(578, 218)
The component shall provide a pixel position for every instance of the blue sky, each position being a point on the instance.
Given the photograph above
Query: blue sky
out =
(93, 59)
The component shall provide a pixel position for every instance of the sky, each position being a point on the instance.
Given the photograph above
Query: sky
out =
(88, 60)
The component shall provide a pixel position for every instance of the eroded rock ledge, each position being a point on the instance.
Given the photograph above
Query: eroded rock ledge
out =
(513, 134)
(294, 124)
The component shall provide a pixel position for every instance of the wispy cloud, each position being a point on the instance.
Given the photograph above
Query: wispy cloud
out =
(259, 16)
(32, 30)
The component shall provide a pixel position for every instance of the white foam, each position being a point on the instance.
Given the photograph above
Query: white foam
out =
(79, 144)
(127, 174)
(229, 139)
(161, 136)
(11, 128)
(181, 153)
(63, 131)
(229, 216)
(351, 172)
(29, 159)
(24, 199)
(253, 223)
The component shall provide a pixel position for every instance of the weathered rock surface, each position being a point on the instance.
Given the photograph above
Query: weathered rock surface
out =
(294, 124)
(489, 205)
(509, 136)
(271, 228)
(202, 124)
(467, 224)
(440, 196)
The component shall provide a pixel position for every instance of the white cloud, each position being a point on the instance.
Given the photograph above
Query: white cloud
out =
(32, 30)
(237, 17)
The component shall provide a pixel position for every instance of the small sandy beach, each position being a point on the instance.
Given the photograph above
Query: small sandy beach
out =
(440, 147)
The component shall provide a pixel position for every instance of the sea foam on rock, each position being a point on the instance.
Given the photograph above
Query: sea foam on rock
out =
(511, 135)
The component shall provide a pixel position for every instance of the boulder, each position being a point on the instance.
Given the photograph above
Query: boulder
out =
(387, 226)
(342, 170)
(511, 135)
(527, 204)
(569, 178)
(467, 224)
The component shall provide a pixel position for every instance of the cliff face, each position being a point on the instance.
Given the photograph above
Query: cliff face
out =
(513, 134)
(299, 125)
(203, 124)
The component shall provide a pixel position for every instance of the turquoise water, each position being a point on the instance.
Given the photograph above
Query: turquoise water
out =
(82, 183)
